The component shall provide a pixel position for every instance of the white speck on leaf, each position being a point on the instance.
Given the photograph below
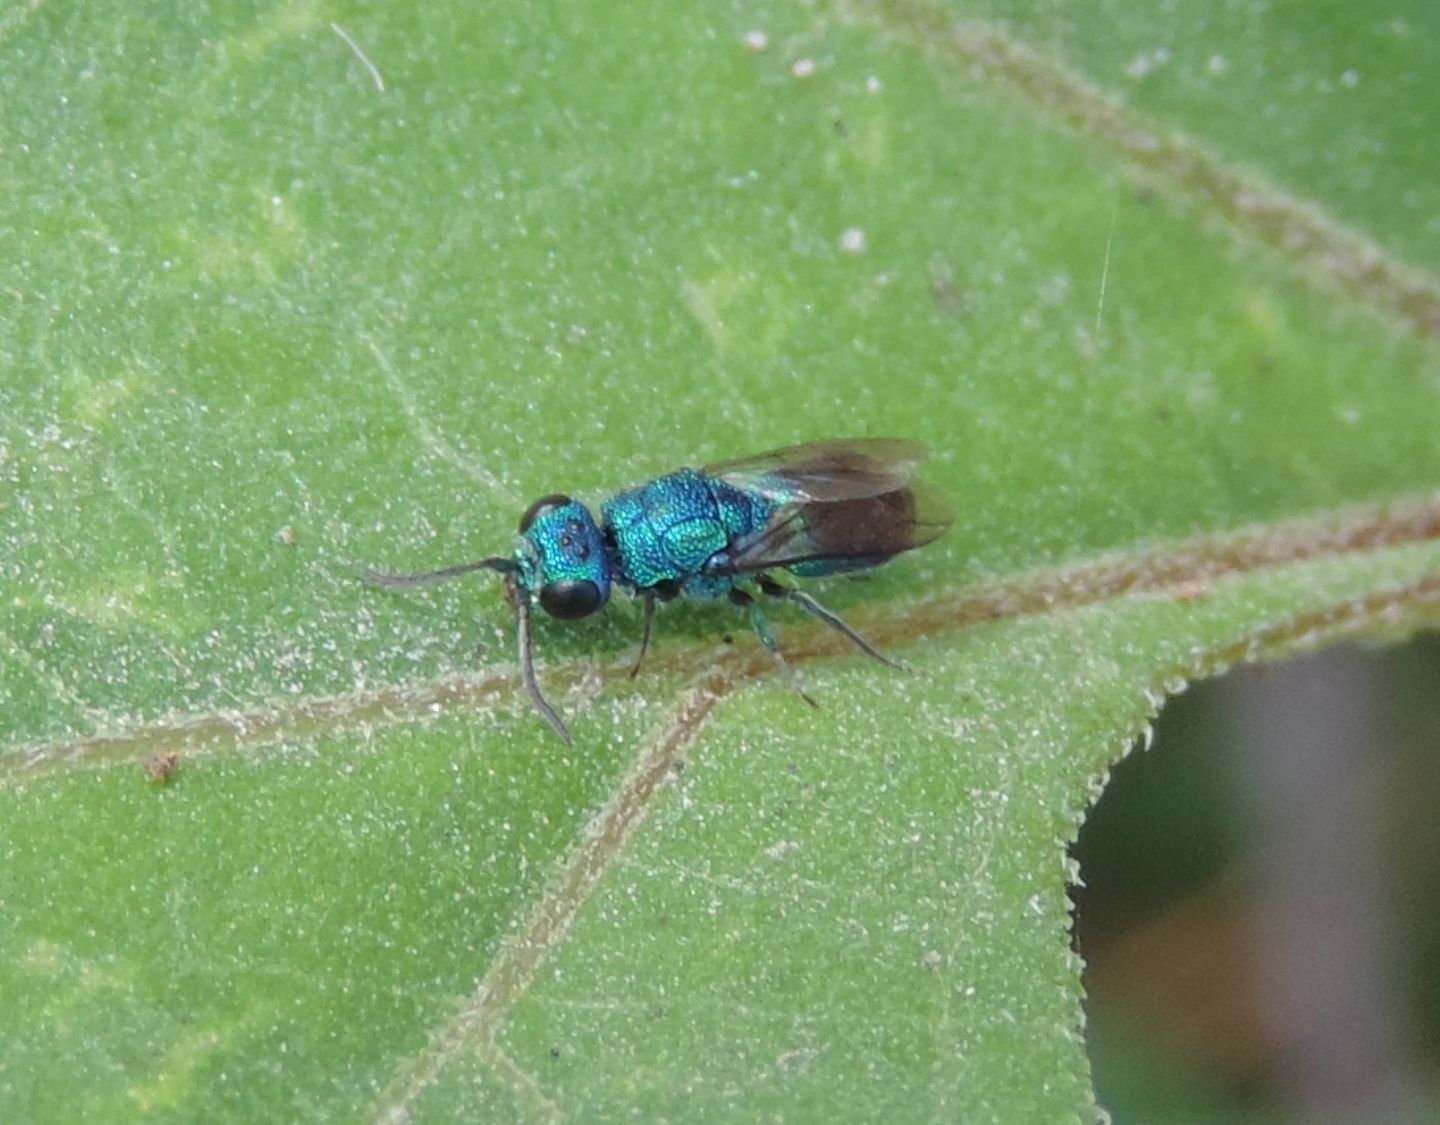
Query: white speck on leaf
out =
(1147, 62)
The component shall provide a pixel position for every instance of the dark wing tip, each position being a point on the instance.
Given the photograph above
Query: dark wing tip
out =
(934, 512)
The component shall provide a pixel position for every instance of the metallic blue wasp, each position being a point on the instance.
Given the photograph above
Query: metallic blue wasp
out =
(827, 507)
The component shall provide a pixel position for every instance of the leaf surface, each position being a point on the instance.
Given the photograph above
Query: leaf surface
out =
(292, 286)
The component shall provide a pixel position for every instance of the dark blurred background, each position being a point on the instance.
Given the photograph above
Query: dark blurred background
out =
(1261, 909)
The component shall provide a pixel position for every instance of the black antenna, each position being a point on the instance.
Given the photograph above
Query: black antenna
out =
(381, 578)
(521, 598)
(518, 597)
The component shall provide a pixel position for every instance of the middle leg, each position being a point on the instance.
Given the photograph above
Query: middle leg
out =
(767, 638)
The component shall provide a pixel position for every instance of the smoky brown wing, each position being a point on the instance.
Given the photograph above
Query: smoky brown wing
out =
(842, 469)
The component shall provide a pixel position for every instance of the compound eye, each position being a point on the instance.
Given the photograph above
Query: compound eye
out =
(570, 599)
(540, 507)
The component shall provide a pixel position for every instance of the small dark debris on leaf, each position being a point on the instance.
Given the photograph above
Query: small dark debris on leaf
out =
(159, 768)
(944, 290)
(791, 1060)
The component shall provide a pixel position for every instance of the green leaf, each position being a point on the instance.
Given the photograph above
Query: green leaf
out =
(293, 286)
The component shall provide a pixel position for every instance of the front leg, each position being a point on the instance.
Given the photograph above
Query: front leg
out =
(648, 596)
(662, 591)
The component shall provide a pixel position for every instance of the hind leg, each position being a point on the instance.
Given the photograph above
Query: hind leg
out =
(773, 589)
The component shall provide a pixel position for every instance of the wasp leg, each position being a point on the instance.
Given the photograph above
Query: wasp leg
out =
(767, 638)
(649, 596)
(521, 600)
(772, 588)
